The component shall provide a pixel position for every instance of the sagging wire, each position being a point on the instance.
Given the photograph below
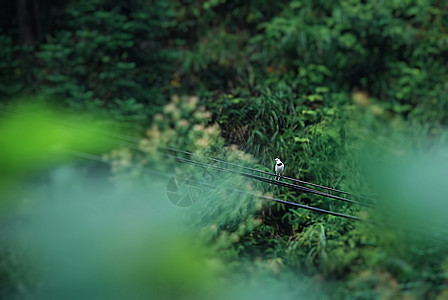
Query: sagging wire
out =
(159, 174)
(271, 181)
(263, 172)
(130, 142)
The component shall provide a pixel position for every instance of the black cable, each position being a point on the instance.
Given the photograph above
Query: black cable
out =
(311, 208)
(260, 171)
(329, 212)
(276, 182)
(135, 147)
(131, 139)
(298, 205)
(159, 174)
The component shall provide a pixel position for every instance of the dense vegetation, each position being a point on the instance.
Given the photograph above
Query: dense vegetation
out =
(349, 94)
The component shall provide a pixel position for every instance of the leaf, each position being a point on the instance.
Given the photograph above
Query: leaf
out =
(301, 140)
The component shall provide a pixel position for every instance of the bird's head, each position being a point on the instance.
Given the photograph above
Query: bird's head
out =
(277, 160)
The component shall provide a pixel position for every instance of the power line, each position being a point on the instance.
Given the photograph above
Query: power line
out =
(260, 171)
(315, 209)
(276, 182)
(134, 145)
(159, 174)
(329, 212)
(133, 140)
(288, 203)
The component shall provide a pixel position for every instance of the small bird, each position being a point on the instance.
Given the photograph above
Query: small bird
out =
(279, 167)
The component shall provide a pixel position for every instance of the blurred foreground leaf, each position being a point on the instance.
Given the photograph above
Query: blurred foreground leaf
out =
(31, 139)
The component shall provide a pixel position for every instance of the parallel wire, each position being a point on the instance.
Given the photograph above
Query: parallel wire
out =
(89, 156)
(276, 182)
(134, 145)
(291, 186)
(263, 172)
(329, 212)
(157, 173)
(147, 170)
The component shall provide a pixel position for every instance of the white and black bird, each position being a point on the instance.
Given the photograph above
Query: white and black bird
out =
(279, 167)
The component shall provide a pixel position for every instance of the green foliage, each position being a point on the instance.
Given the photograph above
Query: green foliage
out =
(104, 56)
(315, 83)
(30, 140)
(220, 214)
(16, 73)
